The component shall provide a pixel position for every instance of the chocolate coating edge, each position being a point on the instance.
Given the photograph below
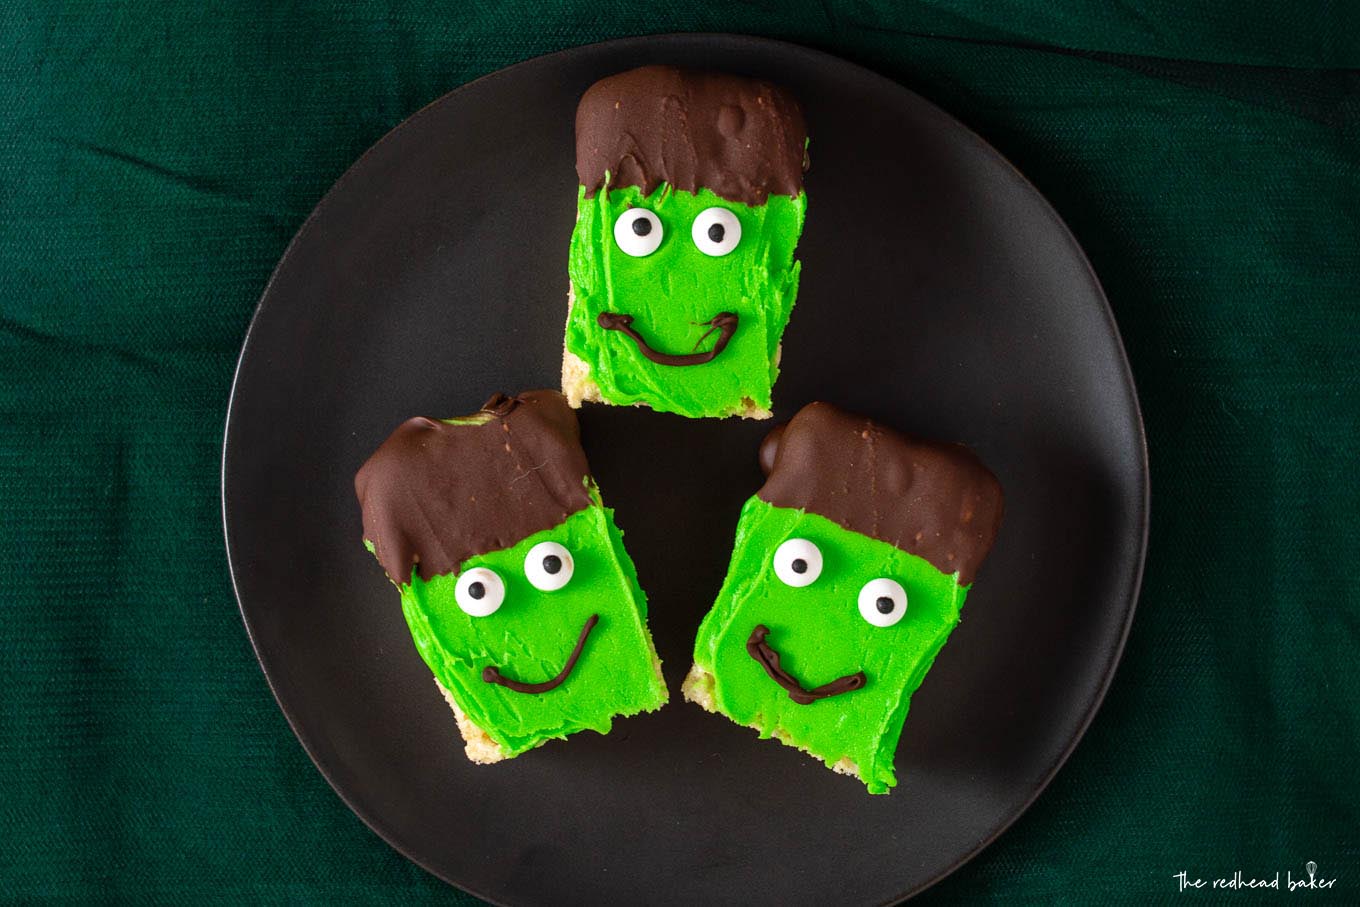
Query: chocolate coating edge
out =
(935, 500)
(436, 493)
(744, 139)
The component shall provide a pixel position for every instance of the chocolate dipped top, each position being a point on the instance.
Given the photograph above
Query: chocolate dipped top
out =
(438, 492)
(934, 500)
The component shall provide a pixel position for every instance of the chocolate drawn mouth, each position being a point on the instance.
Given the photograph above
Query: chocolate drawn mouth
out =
(492, 674)
(725, 323)
(763, 652)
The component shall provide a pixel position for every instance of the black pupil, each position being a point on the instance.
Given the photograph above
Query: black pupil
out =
(885, 604)
(798, 566)
(642, 226)
(716, 233)
(477, 590)
(551, 563)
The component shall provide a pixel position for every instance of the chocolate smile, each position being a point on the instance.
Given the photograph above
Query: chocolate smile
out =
(492, 674)
(763, 652)
(725, 323)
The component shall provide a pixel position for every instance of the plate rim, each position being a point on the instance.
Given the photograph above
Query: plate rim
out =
(1142, 515)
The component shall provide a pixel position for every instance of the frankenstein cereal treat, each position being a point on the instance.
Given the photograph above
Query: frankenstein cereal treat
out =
(682, 272)
(850, 566)
(513, 577)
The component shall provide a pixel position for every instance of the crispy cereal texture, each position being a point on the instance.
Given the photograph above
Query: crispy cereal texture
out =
(698, 689)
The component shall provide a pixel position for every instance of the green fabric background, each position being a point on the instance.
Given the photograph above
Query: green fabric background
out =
(155, 159)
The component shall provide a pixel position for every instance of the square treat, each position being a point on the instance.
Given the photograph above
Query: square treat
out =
(513, 577)
(850, 566)
(682, 272)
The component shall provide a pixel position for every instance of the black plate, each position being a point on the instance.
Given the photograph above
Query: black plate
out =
(940, 294)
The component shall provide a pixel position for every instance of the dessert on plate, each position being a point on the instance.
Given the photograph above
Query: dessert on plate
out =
(513, 577)
(850, 566)
(689, 209)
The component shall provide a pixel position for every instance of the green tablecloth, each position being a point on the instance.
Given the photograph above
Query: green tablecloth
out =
(156, 159)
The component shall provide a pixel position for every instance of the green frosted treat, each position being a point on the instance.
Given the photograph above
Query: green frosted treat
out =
(848, 573)
(514, 580)
(688, 215)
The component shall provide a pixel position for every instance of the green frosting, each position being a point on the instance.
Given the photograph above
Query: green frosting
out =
(530, 637)
(821, 636)
(673, 291)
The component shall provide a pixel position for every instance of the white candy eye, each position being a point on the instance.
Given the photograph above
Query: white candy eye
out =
(638, 232)
(479, 591)
(548, 566)
(798, 562)
(716, 231)
(883, 602)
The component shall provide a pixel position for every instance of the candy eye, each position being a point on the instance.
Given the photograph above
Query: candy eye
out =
(638, 232)
(548, 566)
(882, 602)
(479, 591)
(716, 231)
(798, 562)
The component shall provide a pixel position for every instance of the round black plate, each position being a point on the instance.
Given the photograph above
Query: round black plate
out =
(940, 294)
